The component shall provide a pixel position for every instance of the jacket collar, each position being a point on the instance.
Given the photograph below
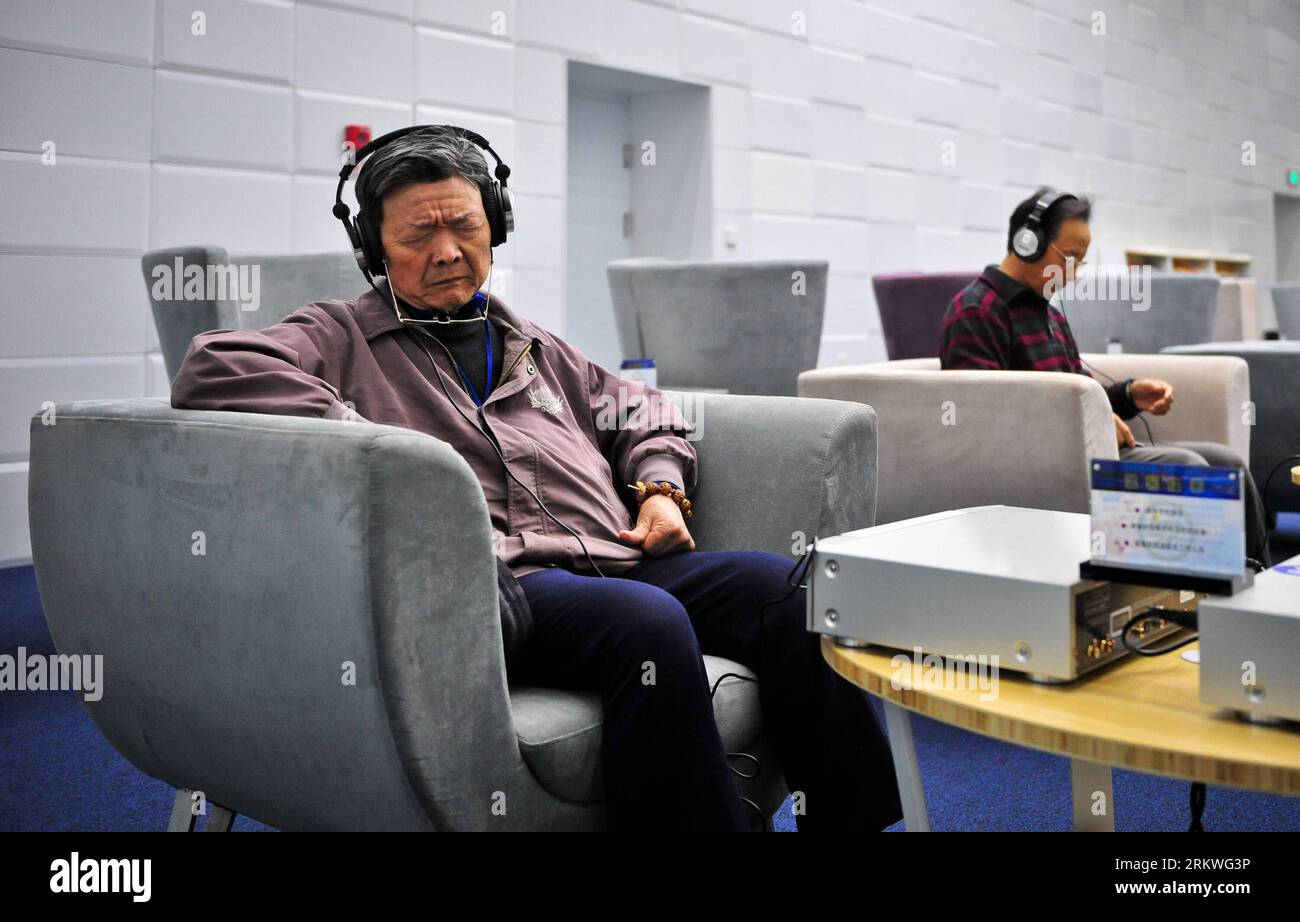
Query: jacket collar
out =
(1008, 289)
(374, 315)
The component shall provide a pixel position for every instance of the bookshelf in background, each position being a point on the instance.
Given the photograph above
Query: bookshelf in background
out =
(1164, 260)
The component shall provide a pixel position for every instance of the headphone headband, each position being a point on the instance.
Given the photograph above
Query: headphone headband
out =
(385, 139)
(1044, 204)
(366, 244)
(1029, 241)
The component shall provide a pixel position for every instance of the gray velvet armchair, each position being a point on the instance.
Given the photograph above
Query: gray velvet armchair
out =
(298, 617)
(744, 327)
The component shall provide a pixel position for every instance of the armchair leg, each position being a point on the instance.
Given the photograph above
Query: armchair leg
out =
(182, 820)
(220, 818)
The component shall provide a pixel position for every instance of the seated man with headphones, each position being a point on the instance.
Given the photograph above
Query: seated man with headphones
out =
(607, 591)
(1004, 319)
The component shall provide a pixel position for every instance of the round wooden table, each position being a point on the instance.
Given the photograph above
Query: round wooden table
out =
(1142, 713)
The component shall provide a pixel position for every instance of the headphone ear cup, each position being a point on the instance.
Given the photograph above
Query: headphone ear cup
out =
(1028, 245)
(354, 237)
(371, 247)
(496, 215)
(507, 212)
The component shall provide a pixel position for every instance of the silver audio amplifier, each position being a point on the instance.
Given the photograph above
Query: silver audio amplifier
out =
(988, 581)
(1249, 645)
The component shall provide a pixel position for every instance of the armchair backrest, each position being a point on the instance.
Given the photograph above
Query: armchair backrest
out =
(911, 307)
(747, 327)
(1181, 309)
(1286, 308)
(279, 284)
(1237, 316)
(953, 439)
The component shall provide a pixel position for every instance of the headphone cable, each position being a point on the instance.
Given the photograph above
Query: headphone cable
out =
(794, 582)
(497, 449)
(1150, 438)
(484, 429)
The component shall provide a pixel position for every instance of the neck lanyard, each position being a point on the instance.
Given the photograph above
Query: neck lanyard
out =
(464, 378)
(473, 393)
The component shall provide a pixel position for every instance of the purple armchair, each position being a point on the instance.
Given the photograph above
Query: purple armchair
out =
(911, 306)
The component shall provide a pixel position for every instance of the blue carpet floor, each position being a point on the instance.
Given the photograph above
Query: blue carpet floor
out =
(58, 773)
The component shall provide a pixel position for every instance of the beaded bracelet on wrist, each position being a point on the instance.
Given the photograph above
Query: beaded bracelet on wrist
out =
(662, 488)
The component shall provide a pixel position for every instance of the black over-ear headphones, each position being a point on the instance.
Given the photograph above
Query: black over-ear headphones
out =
(364, 234)
(1029, 242)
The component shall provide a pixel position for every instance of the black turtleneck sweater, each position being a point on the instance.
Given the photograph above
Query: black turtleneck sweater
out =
(465, 341)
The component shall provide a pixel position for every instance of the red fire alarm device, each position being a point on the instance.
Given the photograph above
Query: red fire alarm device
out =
(357, 136)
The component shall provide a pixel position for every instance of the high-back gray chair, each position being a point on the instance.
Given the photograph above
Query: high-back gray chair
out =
(1274, 413)
(298, 617)
(745, 327)
(283, 284)
(1182, 309)
(1286, 308)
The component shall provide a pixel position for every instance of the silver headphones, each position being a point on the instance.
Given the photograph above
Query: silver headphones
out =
(1029, 242)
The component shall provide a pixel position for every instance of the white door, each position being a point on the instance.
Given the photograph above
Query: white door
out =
(600, 193)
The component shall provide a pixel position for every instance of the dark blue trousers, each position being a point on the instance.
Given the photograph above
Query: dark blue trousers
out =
(664, 766)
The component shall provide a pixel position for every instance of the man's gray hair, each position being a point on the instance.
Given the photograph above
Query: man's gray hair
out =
(428, 155)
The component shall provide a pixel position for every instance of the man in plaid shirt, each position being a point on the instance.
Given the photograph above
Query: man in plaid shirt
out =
(1004, 320)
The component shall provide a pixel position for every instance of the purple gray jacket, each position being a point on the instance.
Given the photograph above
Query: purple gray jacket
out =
(572, 431)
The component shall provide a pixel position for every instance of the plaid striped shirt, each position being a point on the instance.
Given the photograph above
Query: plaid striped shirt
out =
(997, 323)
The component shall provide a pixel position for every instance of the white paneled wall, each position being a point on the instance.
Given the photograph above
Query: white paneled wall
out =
(830, 123)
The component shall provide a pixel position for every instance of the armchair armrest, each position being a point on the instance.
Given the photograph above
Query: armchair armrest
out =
(297, 616)
(1211, 393)
(773, 466)
(953, 439)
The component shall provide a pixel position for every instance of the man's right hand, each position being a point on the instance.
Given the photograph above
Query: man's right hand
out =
(1123, 434)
